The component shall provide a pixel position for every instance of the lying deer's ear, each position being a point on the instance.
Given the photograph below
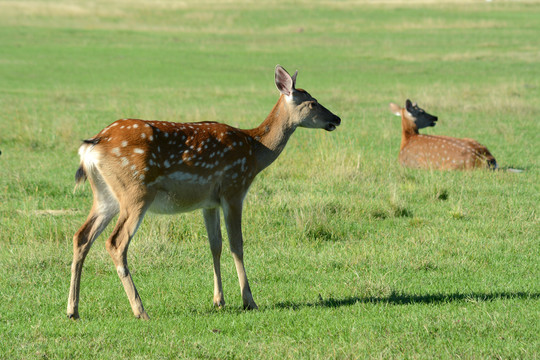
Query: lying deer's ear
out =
(284, 81)
(408, 105)
(396, 109)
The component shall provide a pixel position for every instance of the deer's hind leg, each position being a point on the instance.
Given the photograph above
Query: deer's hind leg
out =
(105, 207)
(132, 212)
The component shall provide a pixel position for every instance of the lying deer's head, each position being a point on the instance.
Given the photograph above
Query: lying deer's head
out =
(414, 114)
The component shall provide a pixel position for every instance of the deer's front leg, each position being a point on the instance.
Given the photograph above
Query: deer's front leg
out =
(213, 228)
(232, 211)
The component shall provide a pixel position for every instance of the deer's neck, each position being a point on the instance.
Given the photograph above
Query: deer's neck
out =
(272, 135)
(408, 130)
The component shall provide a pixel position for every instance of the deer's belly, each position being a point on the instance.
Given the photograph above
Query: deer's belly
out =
(182, 193)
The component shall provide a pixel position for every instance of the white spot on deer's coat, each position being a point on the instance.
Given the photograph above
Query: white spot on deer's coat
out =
(124, 143)
(116, 151)
(125, 161)
(166, 163)
(143, 135)
(138, 151)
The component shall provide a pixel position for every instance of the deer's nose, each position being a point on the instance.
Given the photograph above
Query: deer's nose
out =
(336, 120)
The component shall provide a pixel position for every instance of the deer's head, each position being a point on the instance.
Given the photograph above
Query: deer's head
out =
(304, 110)
(417, 117)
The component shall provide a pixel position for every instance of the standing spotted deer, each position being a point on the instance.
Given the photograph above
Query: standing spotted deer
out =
(436, 152)
(135, 165)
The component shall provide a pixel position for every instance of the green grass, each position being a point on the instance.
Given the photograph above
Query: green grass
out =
(348, 255)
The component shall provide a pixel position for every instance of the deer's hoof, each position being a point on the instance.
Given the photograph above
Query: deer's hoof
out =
(250, 306)
(143, 316)
(73, 316)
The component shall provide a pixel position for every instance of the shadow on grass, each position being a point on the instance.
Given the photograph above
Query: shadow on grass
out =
(404, 299)
(512, 169)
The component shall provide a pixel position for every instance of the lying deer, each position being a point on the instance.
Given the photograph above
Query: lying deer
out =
(136, 165)
(436, 152)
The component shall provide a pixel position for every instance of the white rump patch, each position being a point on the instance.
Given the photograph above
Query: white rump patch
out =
(89, 158)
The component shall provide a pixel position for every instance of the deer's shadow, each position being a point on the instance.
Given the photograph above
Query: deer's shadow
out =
(408, 299)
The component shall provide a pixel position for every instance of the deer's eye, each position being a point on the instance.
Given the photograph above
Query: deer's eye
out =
(312, 104)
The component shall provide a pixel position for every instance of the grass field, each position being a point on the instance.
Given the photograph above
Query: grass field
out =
(348, 254)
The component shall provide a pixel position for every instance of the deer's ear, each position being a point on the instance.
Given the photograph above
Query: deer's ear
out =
(409, 106)
(395, 109)
(284, 81)
(294, 79)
